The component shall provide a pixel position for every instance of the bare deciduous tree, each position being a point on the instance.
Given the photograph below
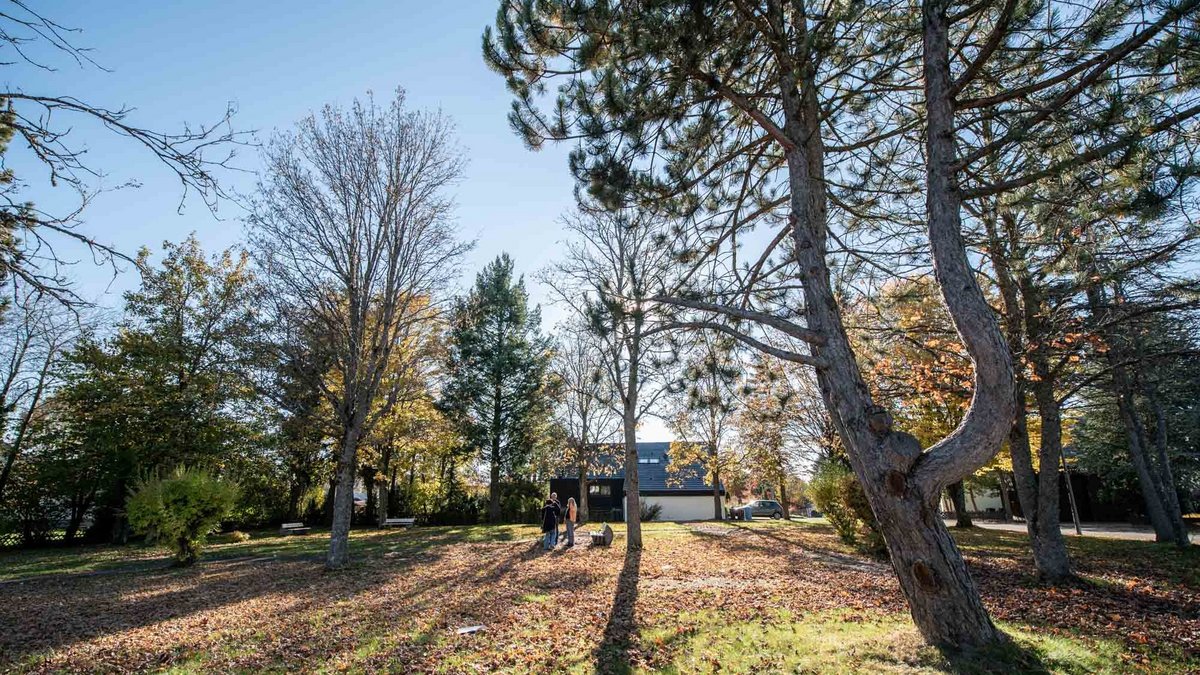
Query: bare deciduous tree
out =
(611, 271)
(585, 409)
(352, 227)
(49, 125)
(36, 332)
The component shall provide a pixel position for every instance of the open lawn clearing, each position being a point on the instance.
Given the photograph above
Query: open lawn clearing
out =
(736, 597)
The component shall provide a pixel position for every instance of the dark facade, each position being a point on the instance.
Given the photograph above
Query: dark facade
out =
(656, 477)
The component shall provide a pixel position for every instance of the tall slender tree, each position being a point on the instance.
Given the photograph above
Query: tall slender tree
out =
(496, 369)
(351, 227)
(613, 266)
(584, 407)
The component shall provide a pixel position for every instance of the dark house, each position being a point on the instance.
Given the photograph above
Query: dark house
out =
(682, 492)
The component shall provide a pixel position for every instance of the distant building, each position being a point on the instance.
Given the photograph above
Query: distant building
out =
(683, 493)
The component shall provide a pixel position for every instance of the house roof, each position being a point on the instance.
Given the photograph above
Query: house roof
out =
(655, 473)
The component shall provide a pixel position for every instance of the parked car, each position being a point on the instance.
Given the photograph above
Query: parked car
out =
(760, 507)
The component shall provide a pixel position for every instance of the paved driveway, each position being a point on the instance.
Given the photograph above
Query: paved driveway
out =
(1102, 530)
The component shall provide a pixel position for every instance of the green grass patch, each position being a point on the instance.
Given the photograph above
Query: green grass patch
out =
(844, 642)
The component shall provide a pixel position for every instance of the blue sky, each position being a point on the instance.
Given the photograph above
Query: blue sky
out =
(179, 63)
(276, 61)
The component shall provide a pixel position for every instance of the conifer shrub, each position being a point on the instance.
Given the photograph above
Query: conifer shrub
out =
(180, 510)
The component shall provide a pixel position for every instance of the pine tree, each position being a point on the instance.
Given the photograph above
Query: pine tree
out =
(720, 113)
(496, 374)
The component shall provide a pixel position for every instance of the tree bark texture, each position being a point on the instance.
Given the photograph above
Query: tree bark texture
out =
(901, 483)
(343, 497)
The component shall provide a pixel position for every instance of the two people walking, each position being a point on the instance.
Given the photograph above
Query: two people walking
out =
(555, 514)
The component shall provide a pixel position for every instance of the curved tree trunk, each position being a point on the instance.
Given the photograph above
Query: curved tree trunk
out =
(1038, 494)
(901, 483)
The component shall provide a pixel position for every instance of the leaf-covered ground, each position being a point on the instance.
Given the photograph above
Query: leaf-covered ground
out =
(763, 597)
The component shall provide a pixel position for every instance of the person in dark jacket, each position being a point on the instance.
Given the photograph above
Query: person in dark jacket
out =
(550, 515)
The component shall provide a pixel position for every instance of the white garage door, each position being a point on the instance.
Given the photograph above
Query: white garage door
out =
(684, 507)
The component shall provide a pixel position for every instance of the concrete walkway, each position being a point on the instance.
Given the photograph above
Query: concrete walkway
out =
(1102, 530)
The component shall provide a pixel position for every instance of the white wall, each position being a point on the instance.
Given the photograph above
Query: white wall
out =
(984, 500)
(682, 507)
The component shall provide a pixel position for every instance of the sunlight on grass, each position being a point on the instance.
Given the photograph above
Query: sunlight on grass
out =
(841, 642)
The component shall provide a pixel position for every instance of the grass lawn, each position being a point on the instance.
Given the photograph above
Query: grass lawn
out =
(704, 597)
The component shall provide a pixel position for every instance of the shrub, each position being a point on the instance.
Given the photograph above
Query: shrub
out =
(237, 536)
(837, 493)
(180, 510)
(825, 490)
(649, 511)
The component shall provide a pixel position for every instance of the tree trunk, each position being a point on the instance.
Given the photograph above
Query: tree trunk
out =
(1135, 432)
(1054, 563)
(718, 507)
(381, 502)
(783, 499)
(633, 502)
(494, 485)
(18, 443)
(583, 494)
(961, 517)
(1166, 476)
(343, 497)
(1152, 490)
(10, 458)
(295, 492)
(901, 483)
(1005, 502)
(494, 482)
(368, 478)
(1038, 494)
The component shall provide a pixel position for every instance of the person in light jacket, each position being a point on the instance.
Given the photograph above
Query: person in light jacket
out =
(570, 515)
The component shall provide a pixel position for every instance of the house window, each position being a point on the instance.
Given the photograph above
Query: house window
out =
(647, 460)
(600, 490)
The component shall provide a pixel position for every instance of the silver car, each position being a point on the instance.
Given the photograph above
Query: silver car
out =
(760, 507)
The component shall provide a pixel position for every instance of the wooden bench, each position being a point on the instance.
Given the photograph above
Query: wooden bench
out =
(399, 522)
(293, 528)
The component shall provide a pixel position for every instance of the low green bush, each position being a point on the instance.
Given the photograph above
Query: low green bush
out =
(180, 510)
(836, 492)
(237, 536)
(825, 490)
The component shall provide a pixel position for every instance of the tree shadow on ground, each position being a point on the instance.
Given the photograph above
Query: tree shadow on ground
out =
(613, 653)
(1006, 657)
(808, 551)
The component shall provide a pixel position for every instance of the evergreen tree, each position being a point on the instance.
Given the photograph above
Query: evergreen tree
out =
(720, 113)
(496, 374)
